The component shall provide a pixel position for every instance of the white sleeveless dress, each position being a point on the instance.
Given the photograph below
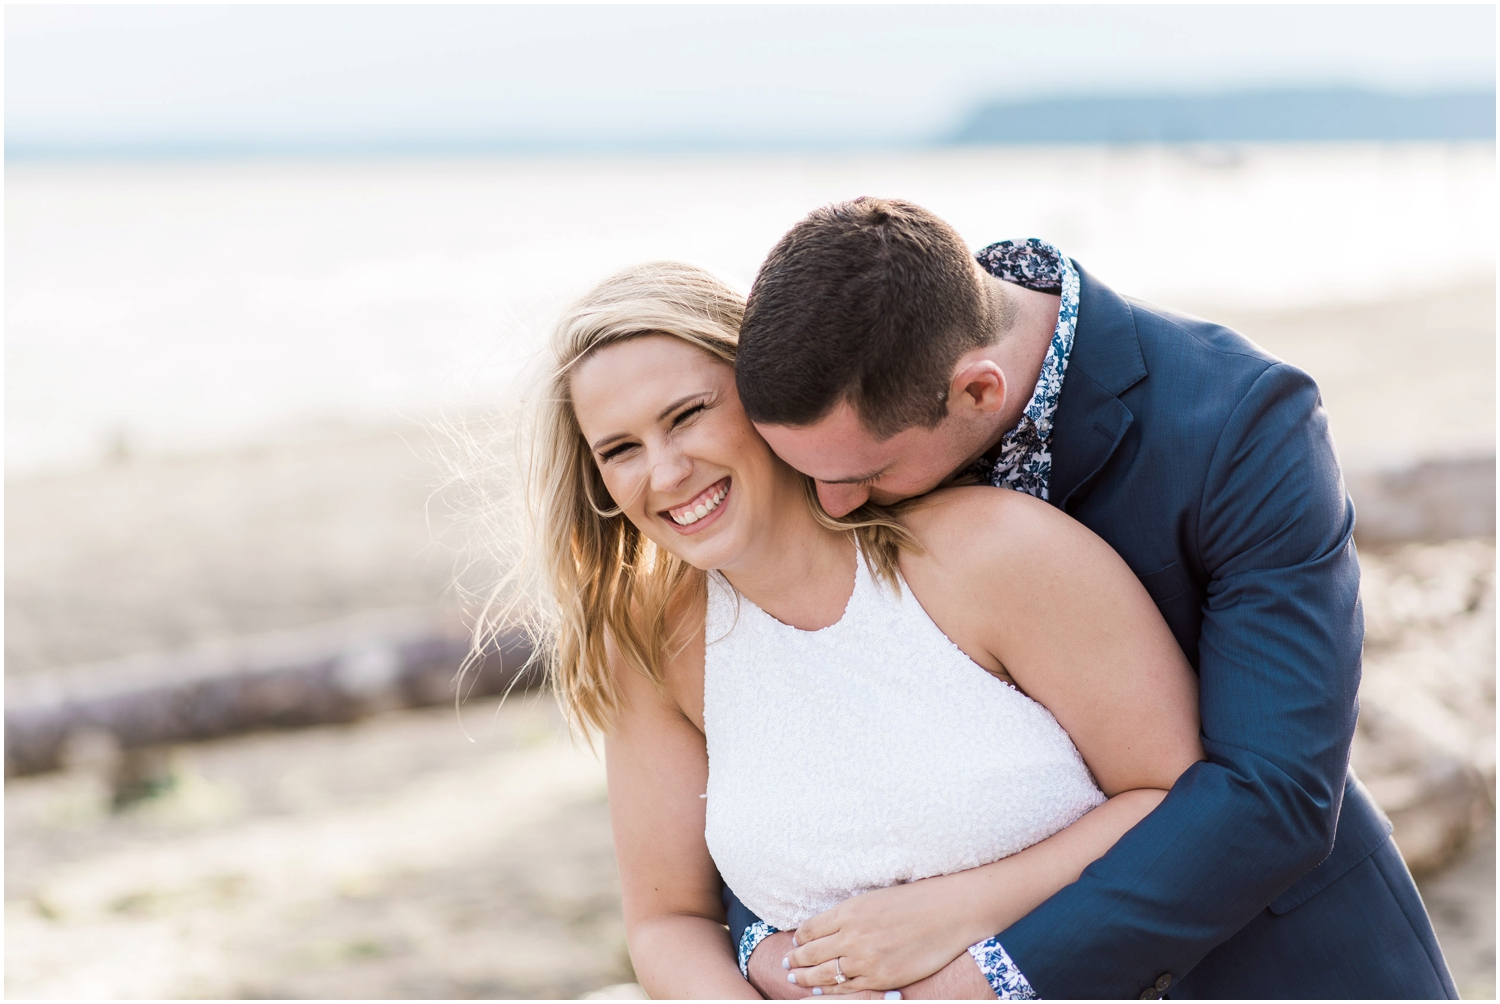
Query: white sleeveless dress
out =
(866, 754)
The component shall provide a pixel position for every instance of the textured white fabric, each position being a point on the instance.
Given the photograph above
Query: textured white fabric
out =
(869, 753)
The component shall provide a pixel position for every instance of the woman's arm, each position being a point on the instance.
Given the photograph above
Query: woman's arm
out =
(1032, 595)
(898, 936)
(658, 767)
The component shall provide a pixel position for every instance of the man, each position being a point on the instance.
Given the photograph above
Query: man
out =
(878, 359)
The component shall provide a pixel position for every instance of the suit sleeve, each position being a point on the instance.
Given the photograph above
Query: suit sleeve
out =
(1279, 668)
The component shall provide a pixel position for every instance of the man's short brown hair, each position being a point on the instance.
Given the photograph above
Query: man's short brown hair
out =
(871, 301)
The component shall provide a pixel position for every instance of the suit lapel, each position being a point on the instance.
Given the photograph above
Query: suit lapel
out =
(1091, 420)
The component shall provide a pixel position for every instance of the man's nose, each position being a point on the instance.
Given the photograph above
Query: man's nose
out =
(840, 500)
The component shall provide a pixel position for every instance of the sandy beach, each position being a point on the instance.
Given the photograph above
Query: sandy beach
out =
(390, 858)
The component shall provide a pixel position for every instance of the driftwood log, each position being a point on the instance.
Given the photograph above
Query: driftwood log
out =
(1433, 501)
(334, 673)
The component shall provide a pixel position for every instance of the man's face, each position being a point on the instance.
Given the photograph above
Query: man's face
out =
(852, 466)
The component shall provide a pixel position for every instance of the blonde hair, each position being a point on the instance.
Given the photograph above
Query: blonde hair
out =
(605, 581)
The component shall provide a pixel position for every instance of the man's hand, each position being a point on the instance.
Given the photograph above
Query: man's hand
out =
(766, 973)
(959, 980)
(882, 939)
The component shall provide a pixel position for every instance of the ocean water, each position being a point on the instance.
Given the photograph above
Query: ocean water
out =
(187, 306)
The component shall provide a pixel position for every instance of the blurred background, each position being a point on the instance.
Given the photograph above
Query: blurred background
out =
(255, 256)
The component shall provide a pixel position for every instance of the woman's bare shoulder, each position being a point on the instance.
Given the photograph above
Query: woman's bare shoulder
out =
(982, 526)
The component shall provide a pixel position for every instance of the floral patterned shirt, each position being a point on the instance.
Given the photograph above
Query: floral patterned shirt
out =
(1024, 461)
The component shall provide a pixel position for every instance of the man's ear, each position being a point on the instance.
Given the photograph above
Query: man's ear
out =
(978, 385)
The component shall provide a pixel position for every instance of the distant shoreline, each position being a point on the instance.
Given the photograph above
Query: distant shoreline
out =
(1281, 115)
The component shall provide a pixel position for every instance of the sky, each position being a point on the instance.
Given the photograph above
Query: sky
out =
(117, 76)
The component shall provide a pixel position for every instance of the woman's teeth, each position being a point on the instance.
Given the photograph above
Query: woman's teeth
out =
(697, 512)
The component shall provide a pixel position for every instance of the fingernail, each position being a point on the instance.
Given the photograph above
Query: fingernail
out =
(893, 995)
(817, 991)
(791, 977)
(794, 940)
(786, 962)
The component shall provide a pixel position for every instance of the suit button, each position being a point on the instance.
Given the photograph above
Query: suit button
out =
(1163, 981)
(1150, 994)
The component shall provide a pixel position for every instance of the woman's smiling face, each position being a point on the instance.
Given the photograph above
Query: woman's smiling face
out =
(676, 450)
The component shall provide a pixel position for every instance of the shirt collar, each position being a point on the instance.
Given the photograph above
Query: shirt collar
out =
(1024, 459)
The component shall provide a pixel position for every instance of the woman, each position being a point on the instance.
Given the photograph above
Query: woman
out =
(934, 711)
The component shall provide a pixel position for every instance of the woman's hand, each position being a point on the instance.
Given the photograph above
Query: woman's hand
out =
(958, 980)
(883, 939)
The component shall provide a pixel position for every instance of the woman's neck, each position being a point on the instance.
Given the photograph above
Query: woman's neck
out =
(800, 573)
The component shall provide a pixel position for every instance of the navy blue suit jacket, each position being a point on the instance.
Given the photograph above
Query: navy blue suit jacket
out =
(1267, 871)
